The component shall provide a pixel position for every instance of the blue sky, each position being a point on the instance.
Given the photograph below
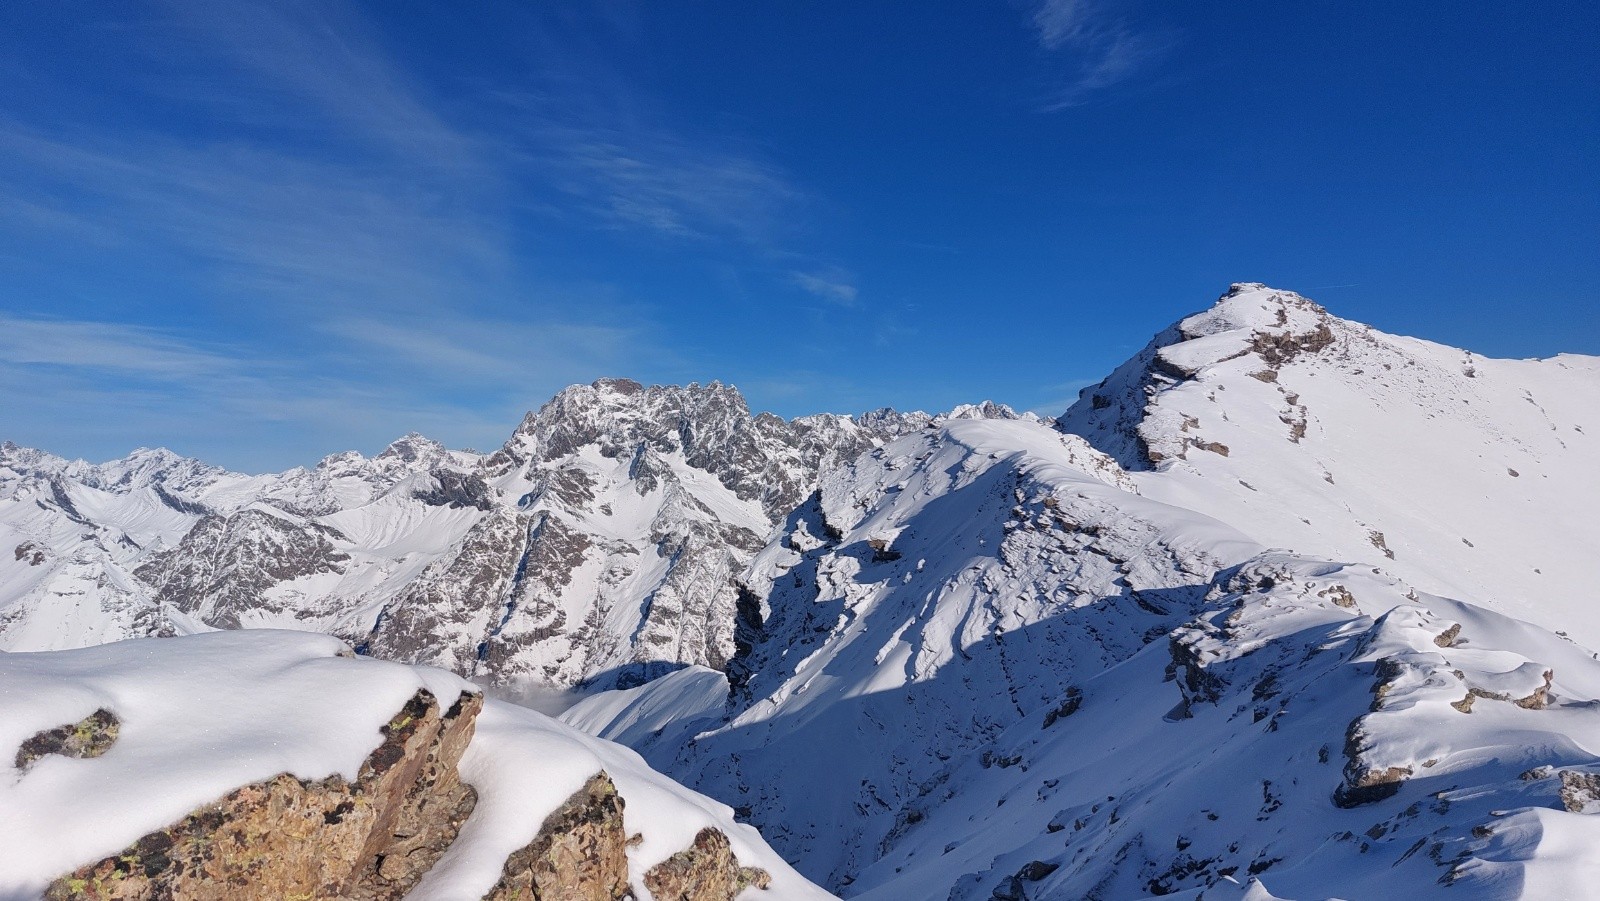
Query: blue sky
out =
(260, 233)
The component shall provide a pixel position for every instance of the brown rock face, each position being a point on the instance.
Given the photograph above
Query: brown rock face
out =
(288, 838)
(707, 871)
(373, 839)
(580, 853)
(1278, 348)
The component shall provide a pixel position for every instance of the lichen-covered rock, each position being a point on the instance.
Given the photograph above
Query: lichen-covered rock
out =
(291, 838)
(707, 871)
(89, 737)
(580, 853)
(427, 812)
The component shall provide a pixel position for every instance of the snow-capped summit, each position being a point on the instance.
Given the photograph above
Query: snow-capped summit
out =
(986, 410)
(1329, 437)
(1262, 328)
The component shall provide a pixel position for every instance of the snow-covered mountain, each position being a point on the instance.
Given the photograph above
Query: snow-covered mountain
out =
(1283, 600)
(1101, 664)
(1466, 476)
(1047, 686)
(602, 542)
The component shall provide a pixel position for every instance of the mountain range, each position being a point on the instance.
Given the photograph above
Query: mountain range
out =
(1283, 607)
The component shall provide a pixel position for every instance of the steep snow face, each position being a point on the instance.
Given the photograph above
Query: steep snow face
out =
(931, 595)
(1466, 476)
(202, 715)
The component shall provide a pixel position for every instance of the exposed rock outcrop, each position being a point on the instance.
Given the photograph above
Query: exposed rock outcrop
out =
(707, 871)
(580, 853)
(291, 838)
(375, 838)
(89, 737)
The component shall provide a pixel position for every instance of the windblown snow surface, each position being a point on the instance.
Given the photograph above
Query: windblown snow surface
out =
(204, 714)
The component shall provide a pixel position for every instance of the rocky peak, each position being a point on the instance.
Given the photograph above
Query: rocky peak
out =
(1252, 329)
(618, 413)
(986, 410)
(759, 457)
(18, 457)
(413, 449)
(22, 466)
(146, 467)
(339, 463)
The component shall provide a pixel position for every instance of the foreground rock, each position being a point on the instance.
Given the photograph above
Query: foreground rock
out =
(288, 837)
(580, 853)
(257, 765)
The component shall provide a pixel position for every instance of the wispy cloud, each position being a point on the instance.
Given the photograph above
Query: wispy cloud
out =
(833, 285)
(106, 346)
(1101, 48)
(370, 245)
(323, 58)
(668, 185)
(153, 386)
(263, 220)
(497, 352)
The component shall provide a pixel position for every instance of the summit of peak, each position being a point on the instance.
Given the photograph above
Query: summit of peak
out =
(625, 391)
(1251, 331)
(986, 410)
(412, 447)
(1254, 307)
(1238, 288)
(617, 385)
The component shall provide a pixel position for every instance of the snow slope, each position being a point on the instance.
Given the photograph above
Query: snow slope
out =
(956, 610)
(1050, 684)
(932, 594)
(204, 714)
(1466, 476)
